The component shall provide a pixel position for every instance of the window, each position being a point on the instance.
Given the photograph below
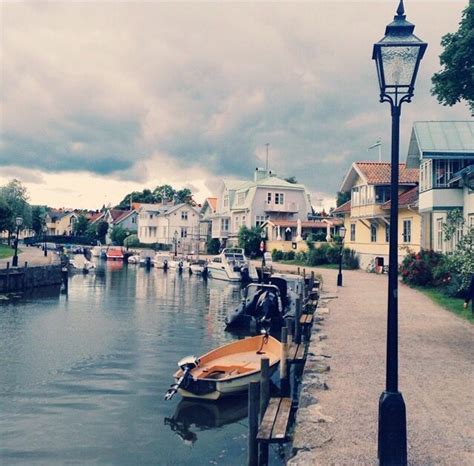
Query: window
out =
(373, 233)
(237, 222)
(355, 199)
(259, 220)
(382, 194)
(240, 198)
(225, 224)
(439, 234)
(279, 198)
(226, 200)
(269, 198)
(184, 215)
(407, 231)
(243, 219)
(184, 232)
(152, 231)
(363, 195)
(387, 233)
(134, 219)
(443, 171)
(151, 216)
(353, 231)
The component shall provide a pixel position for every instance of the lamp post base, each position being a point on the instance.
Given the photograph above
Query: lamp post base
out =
(392, 439)
(15, 261)
(339, 279)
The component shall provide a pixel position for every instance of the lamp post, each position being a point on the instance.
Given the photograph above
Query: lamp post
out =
(175, 237)
(342, 234)
(397, 56)
(45, 246)
(18, 222)
(263, 235)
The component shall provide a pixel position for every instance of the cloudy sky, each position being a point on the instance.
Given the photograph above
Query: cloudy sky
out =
(101, 98)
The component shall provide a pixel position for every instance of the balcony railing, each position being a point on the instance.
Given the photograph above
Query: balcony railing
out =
(285, 207)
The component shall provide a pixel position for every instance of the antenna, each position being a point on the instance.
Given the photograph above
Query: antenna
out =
(266, 163)
(378, 144)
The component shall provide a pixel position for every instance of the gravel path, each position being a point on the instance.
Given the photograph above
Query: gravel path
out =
(34, 256)
(436, 377)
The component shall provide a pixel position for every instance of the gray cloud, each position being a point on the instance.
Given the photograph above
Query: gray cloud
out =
(103, 88)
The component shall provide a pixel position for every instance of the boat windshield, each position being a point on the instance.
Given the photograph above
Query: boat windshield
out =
(235, 257)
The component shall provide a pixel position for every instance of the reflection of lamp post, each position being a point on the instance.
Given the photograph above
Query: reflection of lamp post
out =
(175, 237)
(342, 234)
(19, 222)
(45, 246)
(397, 57)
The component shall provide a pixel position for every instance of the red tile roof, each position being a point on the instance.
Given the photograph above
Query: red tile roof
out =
(116, 213)
(122, 216)
(379, 173)
(408, 198)
(212, 202)
(94, 217)
(343, 209)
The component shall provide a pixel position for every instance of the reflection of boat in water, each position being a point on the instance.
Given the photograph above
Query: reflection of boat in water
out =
(226, 370)
(203, 415)
(199, 267)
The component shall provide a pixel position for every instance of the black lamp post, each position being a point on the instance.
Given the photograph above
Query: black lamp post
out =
(263, 235)
(19, 222)
(397, 57)
(175, 237)
(45, 246)
(342, 234)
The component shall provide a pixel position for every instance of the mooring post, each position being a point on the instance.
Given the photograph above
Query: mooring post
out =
(253, 405)
(289, 327)
(284, 382)
(264, 399)
(297, 322)
(298, 271)
(312, 281)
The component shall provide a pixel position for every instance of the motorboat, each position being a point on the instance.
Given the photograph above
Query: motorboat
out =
(81, 264)
(134, 259)
(263, 306)
(161, 261)
(199, 267)
(96, 251)
(232, 265)
(226, 370)
(179, 263)
(146, 257)
(114, 254)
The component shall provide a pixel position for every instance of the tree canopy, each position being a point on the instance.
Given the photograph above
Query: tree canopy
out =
(455, 82)
(342, 198)
(159, 194)
(14, 195)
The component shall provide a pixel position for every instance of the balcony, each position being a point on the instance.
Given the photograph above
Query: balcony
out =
(290, 207)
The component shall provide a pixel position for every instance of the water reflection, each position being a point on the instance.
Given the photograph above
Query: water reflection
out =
(203, 415)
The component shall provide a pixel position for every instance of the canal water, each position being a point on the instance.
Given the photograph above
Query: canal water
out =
(82, 375)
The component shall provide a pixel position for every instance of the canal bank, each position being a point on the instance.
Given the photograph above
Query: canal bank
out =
(344, 376)
(34, 270)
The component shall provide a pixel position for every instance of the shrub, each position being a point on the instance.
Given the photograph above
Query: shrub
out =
(350, 259)
(213, 245)
(333, 254)
(319, 237)
(131, 241)
(317, 256)
(417, 268)
(289, 256)
(277, 255)
(301, 256)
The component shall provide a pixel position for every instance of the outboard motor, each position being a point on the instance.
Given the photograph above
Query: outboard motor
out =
(165, 265)
(245, 274)
(205, 271)
(148, 263)
(186, 364)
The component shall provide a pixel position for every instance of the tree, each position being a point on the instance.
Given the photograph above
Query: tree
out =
(342, 198)
(91, 231)
(213, 246)
(291, 179)
(164, 192)
(455, 82)
(15, 196)
(6, 215)
(131, 241)
(38, 218)
(118, 235)
(80, 226)
(102, 228)
(184, 196)
(249, 239)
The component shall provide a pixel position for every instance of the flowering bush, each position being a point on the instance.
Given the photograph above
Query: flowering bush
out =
(417, 268)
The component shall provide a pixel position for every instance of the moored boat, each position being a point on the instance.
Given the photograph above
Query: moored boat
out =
(199, 267)
(226, 370)
(114, 254)
(232, 265)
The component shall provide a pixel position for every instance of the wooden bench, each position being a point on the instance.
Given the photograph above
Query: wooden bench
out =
(296, 353)
(306, 319)
(275, 421)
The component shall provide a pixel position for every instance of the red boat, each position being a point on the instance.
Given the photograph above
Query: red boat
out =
(114, 254)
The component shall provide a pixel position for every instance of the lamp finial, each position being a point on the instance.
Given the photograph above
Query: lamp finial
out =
(401, 9)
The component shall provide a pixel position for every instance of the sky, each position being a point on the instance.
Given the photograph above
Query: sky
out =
(98, 99)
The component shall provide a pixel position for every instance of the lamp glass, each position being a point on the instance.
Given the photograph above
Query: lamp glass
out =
(263, 234)
(342, 232)
(19, 221)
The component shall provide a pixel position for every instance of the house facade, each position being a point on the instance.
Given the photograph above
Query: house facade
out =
(252, 203)
(367, 214)
(171, 224)
(126, 219)
(208, 210)
(444, 153)
(60, 222)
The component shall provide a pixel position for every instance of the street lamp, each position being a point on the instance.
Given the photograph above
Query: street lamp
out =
(342, 234)
(397, 57)
(263, 235)
(18, 222)
(175, 237)
(45, 246)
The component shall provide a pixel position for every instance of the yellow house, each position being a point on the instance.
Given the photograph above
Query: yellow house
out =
(367, 214)
(60, 222)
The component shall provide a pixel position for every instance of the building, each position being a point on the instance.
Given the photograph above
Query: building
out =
(171, 224)
(252, 203)
(126, 219)
(367, 214)
(444, 153)
(60, 222)
(208, 210)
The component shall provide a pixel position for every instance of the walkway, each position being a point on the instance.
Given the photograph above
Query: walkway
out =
(33, 255)
(436, 378)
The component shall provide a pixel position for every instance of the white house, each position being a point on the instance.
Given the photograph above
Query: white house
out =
(252, 203)
(127, 219)
(170, 224)
(444, 153)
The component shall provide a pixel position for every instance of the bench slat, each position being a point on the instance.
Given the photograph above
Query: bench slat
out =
(300, 353)
(266, 427)
(281, 422)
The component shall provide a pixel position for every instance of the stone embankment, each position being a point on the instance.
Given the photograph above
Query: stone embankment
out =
(344, 376)
(35, 270)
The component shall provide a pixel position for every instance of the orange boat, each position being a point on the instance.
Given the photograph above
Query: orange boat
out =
(114, 254)
(226, 370)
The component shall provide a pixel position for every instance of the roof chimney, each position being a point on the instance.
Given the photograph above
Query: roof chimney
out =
(260, 174)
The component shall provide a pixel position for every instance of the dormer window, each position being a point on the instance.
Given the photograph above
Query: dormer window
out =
(240, 198)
